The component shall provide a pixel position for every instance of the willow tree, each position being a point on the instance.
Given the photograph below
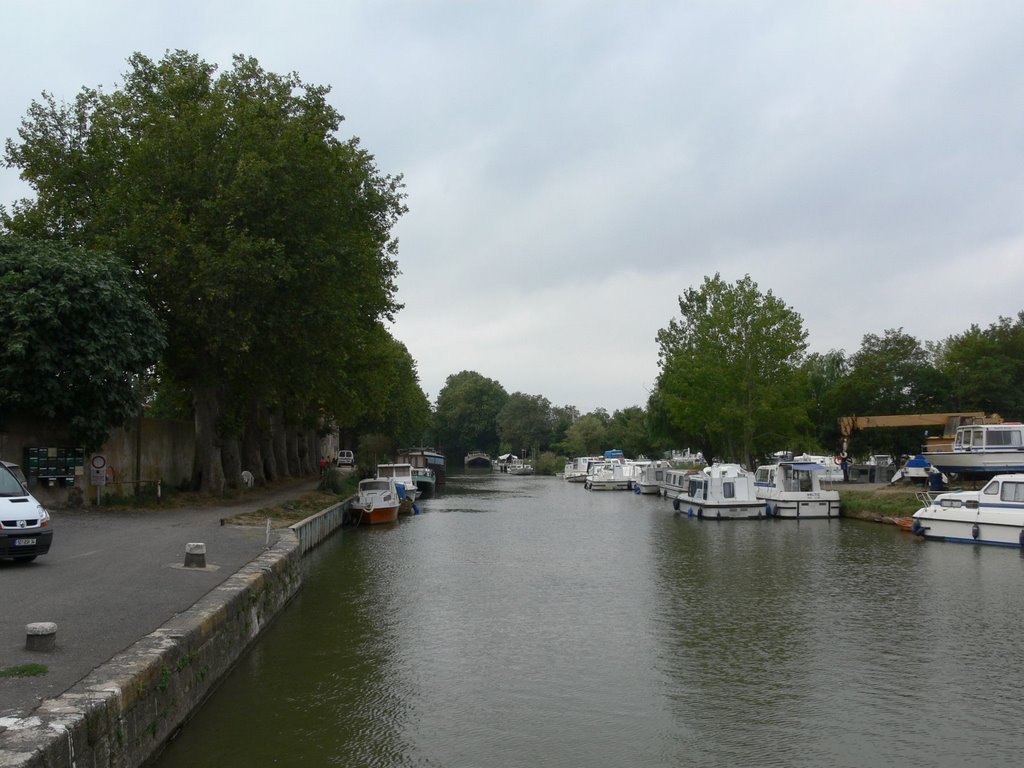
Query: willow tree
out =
(728, 369)
(261, 237)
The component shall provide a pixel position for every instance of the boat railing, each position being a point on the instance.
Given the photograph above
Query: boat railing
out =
(926, 498)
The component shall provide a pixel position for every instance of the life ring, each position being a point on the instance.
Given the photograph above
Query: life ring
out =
(838, 459)
(110, 474)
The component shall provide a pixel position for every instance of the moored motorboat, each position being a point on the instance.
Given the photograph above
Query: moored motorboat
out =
(516, 466)
(993, 515)
(792, 489)
(608, 476)
(423, 459)
(402, 474)
(377, 501)
(649, 477)
(720, 492)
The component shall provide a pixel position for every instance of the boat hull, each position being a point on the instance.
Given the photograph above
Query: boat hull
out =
(375, 515)
(984, 462)
(802, 509)
(1002, 534)
(704, 511)
(608, 485)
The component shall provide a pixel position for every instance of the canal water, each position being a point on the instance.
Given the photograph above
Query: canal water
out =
(524, 621)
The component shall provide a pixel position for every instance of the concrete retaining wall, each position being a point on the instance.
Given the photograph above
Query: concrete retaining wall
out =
(125, 710)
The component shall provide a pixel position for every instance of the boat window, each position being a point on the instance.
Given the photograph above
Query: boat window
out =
(763, 475)
(729, 489)
(658, 475)
(949, 503)
(1004, 437)
(978, 438)
(1012, 492)
(971, 503)
(803, 479)
(991, 489)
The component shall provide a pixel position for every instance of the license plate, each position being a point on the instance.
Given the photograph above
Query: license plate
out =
(24, 542)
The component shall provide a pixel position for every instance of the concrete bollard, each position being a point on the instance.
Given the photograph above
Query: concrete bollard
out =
(40, 636)
(195, 555)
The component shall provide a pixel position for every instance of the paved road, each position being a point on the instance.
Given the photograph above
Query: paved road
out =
(111, 578)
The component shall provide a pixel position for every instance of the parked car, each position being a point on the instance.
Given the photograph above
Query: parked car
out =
(25, 528)
(345, 459)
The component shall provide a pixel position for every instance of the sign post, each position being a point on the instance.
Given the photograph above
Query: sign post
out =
(99, 474)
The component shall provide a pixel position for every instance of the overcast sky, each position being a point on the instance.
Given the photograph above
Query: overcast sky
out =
(573, 167)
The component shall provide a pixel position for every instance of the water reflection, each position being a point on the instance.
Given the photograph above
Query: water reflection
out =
(522, 621)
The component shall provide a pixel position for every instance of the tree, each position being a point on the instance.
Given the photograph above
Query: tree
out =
(823, 375)
(525, 421)
(588, 435)
(262, 238)
(984, 368)
(893, 374)
(467, 413)
(727, 369)
(78, 337)
(629, 431)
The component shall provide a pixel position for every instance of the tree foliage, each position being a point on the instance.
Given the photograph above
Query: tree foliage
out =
(727, 369)
(77, 337)
(262, 239)
(984, 367)
(467, 413)
(525, 423)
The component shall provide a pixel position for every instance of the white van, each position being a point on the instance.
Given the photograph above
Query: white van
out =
(25, 530)
(345, 459)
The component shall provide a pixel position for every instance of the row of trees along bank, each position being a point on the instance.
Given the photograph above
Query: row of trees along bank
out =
(736, 382)
(203, 242)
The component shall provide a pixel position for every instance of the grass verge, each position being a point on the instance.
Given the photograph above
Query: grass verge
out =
(25, 670)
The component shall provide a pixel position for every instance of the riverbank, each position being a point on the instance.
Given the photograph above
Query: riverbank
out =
(879, 502)
(124, 710)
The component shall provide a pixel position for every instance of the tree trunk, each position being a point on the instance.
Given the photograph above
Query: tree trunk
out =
(280, 438)
(294, 465)
(231, 459)
(252, 446)
(208, 465)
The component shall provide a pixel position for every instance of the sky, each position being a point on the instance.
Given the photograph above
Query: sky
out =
(572, 168)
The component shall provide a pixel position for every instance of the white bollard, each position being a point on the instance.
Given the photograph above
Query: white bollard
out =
(40, 636)
(195, 555)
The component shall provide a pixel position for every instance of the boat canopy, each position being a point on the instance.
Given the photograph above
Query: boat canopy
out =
(614, 453)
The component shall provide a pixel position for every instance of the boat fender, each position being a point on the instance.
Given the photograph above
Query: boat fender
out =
(636, 489)
(689, 513)
(767, 510)
(700, 513)
(586, 485)
(415, 509)
(1021, 538)
(718, 515)
(675, 504)
(975, 531)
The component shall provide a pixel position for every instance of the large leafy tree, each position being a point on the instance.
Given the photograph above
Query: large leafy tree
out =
(893, 374)
(728, 369)
(588, 435)
(467, 413)
(77, 335)
(525, 422)
(261, 237)
(984, 367)
(823, 377)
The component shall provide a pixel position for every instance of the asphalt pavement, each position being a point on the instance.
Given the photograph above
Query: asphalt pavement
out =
(111, 578)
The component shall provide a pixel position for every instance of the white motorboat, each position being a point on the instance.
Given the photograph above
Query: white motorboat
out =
(674, 481)
(793, 489)
(833, 466)
(981, 449)
(993, 515)
(609, 476)
(576, 470)
(402, 475)
(516, 466)
(648, 480)
(720, 492)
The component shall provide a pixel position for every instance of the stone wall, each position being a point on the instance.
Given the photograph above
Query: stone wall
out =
(122, 713)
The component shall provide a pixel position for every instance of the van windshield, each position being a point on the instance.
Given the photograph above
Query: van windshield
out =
(9, 484)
